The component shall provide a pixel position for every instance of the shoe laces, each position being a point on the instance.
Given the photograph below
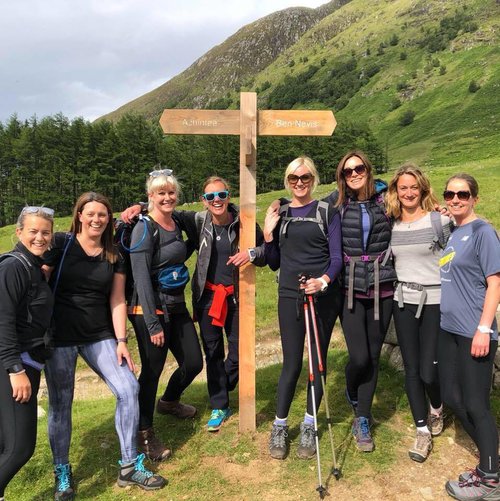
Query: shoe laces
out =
(63, 477)
(422, 441)
(473, 480)
(278, 436)
(140, 468)
(307, 436)
(216, 414)
(364, 427)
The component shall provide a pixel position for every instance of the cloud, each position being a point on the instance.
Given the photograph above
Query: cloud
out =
(88, 57)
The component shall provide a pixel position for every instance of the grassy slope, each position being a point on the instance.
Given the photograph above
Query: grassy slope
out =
(451, 124)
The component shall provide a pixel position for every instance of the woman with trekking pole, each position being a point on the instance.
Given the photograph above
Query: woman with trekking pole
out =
(88, 279)
(470, 293)
(303, 240)
(419, 234)
(25, 314)
(160, 318)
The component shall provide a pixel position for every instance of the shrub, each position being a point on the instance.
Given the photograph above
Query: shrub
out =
(442, 70)
(394, 40)
(407, 118)
(403, 56)
(401, 86)
(395, 104)
(473, 87)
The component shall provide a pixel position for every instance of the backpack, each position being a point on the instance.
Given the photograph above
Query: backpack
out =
(437, 227)
(321, 218)
(31, 275)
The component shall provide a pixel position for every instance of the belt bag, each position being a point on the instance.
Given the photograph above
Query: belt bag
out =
(173, 279)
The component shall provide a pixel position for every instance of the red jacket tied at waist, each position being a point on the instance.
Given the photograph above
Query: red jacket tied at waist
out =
(218, 310)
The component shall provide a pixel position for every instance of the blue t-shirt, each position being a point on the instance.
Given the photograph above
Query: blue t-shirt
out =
(471, 255)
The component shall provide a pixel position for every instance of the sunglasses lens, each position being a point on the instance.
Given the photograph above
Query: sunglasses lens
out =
(33, 210)
(209, 196)
(462, 195)
(222, 195)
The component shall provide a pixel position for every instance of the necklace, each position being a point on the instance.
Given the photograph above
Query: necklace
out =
(218, 236)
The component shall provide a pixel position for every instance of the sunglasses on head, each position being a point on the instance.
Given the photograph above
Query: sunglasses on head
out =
(35, 210)
(449, 195)
(359, 169)
(162, 172)
(221, 195)
(304, 179)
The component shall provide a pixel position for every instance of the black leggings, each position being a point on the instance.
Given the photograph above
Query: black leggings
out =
(18, 423)
(181, 339)
(292, 330)
(364, 338)
(418, 339)
(222, 371)
(465, 387)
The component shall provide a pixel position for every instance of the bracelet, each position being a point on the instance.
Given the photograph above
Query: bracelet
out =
(484, 329)
(324, 283)
(17, 373)
(122, 340)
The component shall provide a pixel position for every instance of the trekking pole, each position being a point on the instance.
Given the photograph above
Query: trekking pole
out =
(335, 469)
(321, 489)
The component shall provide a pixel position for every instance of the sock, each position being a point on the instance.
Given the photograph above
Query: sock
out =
(280, 421)
(308, 419)
(423, 429)
(438, 411)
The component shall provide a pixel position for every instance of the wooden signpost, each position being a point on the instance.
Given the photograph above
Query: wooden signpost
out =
(248, 123)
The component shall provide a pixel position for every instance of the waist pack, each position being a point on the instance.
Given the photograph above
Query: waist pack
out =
(173, 279)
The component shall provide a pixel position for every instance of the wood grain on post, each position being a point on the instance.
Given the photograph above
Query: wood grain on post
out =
(248, 197)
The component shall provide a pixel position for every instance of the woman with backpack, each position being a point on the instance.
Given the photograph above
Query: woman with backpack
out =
(302, 238)
(418, 236)
(25, 313)
(470, 286)
(160, 319)
(368, 283)
(90, 320)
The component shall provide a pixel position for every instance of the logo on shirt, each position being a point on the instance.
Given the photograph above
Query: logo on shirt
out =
(445, 261)
(465, 238)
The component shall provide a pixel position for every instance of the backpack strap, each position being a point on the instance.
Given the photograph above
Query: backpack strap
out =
(31, 274)
(68, 241)
(437, 228)
(321, 219)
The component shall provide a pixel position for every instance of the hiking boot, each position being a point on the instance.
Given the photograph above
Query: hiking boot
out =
(479, 486)
(151, 445)
(136, 474)
(307, 441)
(218, 417)
(64, 489)
(435, 423)
(278, 442)
(175, 408)
(362, 435)
(463, 477)
(421, 447)
(352, 403)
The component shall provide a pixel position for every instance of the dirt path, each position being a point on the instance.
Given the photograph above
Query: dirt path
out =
(452, 454)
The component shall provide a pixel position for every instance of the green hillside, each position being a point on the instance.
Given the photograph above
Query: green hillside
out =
(435, 65)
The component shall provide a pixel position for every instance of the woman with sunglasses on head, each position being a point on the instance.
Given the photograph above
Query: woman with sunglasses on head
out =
(302, 238)
(215, 232)
(470, 285)
(25, 312)
(90, 320)
(161, 320)
(418, 236)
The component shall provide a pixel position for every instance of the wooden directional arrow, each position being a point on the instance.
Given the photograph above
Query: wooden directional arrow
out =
(248, 123)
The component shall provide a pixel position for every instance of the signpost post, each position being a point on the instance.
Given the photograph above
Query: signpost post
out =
(248, 123)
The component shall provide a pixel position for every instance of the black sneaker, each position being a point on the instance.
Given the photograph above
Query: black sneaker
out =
(307, 441)
(278, 442)
(136, 474)
(64, 489)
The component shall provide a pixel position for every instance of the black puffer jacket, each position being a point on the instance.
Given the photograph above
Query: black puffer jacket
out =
(25, 309)
(378, 241)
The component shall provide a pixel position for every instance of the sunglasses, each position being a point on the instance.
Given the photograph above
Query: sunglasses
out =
(449, 195)
(35, 210)
(221, 195)
(359, 169)
(304, 179)
(162, 172)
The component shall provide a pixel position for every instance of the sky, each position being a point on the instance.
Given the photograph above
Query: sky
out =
(85, 58)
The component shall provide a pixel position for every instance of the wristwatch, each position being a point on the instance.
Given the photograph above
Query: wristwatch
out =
(252, 254)
(484, 329)
(324, 284)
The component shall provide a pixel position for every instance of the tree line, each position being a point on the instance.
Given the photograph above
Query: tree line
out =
(52, 160)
